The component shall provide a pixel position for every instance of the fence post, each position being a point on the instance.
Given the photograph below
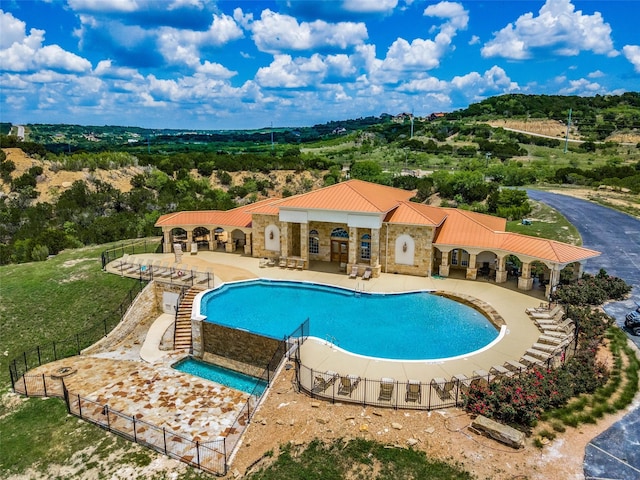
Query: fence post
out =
(164, 439)
(55, 355)
(26, 365)
(224, 452)
(135, 435)
(198, 452)
(65, 394)
(79, 406)
(106, 412)
(24, 380)
(78, 342)
(39, 359)
(44, 385)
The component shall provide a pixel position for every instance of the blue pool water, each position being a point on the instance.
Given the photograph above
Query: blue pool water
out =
(407, 326)
(223, 376)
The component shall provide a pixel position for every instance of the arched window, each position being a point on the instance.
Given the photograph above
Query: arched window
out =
(365, 247)
(314, 242)
(340, 233)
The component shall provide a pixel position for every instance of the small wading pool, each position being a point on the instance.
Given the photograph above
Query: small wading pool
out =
(223, 376)
(404, 326)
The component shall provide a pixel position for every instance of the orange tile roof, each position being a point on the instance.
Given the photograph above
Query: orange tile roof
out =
(468, 229)
(412, 213)
(352, 195)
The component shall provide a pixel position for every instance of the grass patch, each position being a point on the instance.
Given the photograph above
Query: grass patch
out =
(42, 302)
(357, 459)
(547, 223)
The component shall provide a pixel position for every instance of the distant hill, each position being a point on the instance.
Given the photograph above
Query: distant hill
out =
(595, 118)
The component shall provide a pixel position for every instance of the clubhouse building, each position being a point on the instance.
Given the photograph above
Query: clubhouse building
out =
(356, 224)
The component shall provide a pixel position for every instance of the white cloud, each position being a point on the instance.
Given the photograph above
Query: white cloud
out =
(632, 53)
(493, 80)
(424, 85)
(369, 6)
(455, 13)
(276, 33)
(559, 27)
(596, 74)
(107, 70)
(102, 6)
(474, 40)
(20, 52)
(286, 72)
(581, 87)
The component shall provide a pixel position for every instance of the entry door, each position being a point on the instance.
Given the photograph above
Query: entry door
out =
(340, 251)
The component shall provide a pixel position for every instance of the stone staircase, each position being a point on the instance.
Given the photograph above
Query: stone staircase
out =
(182, 338)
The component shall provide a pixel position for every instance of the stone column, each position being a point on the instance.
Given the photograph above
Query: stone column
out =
(284, 239)
(304, 243)
(472, 270)
(189, 240)
(166, 247)
(553, 280)
(353, 246)
(525, 282)
(444, 265)
(501, 272)
(375, 247)
(197, 343)
(248, 245)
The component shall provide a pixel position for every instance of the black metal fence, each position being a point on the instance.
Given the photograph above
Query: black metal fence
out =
(73, 345)
(209, 456)
(132, 247)
(417, 395)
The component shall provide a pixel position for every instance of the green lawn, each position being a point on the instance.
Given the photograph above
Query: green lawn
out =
(547, 223)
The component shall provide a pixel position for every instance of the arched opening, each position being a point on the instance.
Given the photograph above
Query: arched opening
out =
(365, 247)
(340, 246)
(201, 236)
(314, 242)
(220, 236)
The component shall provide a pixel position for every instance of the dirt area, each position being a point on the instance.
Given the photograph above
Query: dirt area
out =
(51, 183)
(288, 416)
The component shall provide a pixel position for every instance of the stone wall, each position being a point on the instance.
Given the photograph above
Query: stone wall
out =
(258, 223)
(239, 345)
(144, 309)
(423, 249)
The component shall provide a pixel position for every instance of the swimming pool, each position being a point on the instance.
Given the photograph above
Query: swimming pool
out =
(403, 326)
(223, 376)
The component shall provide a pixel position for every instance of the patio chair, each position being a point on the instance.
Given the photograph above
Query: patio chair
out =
(414, 391)
(367, 274)
(291, 263)
(499, 372)
(283, 262)
(354, 272)
(442, 387)
(300, 264)
(263, 262)
(548, 314)
(348, 384)
(323, 381)
(514, 366)
(386, 389)
(567, 326)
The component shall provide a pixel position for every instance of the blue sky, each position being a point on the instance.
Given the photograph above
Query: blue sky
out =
(199, 64)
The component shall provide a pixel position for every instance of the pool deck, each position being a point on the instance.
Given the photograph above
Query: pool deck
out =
(520, 333)
(134, 376)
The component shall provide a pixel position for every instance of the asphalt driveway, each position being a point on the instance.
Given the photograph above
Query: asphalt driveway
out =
(614, 454)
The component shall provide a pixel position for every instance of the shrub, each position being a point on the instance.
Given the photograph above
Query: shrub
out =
(592, 290)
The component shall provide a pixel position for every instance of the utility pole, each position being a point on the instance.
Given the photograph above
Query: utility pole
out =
(271, 135)
(566, 138)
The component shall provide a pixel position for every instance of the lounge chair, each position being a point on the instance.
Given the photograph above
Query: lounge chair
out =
(354, 272)
(300, 264)
(554, 333)
(367, 274)
(529, 360)
(545, 347)
(514, 366)
(323, 381)
(414, 391)
(499, 371)
(552, 340)
(271, 262)
(283, 262)
(386, 389)
(348, 384)
(291, 263)
(548, 314)
(567, 326)
(442, 387)
(263, 262)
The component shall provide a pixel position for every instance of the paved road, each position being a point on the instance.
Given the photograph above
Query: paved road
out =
(614, 454)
